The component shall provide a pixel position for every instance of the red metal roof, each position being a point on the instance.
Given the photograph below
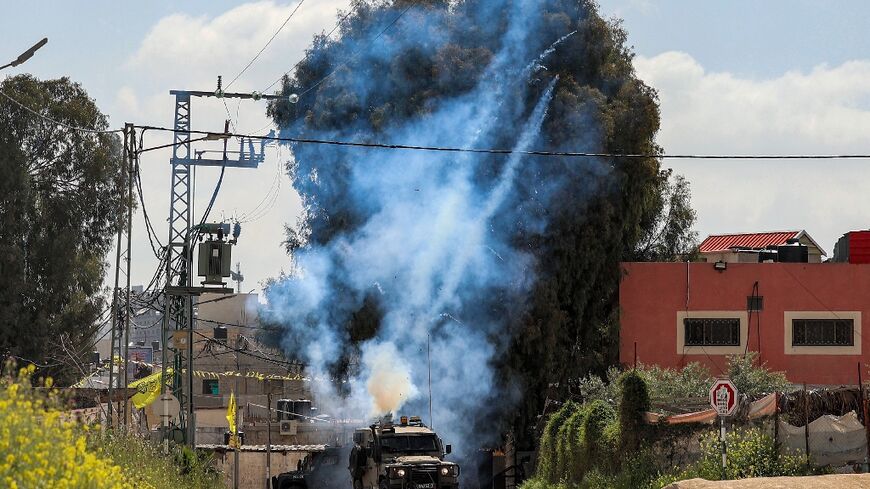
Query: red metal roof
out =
(725, 242)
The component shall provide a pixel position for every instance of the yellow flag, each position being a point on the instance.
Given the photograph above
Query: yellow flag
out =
(231, 418)
(147, 389)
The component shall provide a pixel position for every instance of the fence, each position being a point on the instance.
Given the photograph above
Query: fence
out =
(827, 426)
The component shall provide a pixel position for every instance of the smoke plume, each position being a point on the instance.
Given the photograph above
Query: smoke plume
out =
(430, 241)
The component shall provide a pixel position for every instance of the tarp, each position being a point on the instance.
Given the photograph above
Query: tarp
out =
(765, 406)
(833, 440)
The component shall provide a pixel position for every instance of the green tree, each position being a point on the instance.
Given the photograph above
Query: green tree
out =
(601, 212)
(670, 237)
(59, 196)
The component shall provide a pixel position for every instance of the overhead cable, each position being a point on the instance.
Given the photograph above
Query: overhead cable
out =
(358, 51)
(328, 35)
(59, 123)
(266, 45)
(502, 151)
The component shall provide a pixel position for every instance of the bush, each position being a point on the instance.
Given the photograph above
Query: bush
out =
(42, 447)
(692, 381)
(589, 446)
(595, 449)
(634, 402)
(751, 453)
(752, 379)
(547, 456)
(144, 463)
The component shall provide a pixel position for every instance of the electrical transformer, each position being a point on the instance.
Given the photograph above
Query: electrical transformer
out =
(214, 261)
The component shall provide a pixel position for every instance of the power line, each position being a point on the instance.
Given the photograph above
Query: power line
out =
(267, 44)
(152, 234)
(502, 151)
(358, 51)
(245, 352)
(337, 25)
(56, 122)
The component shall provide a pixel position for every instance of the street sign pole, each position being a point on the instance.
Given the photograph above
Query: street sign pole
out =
(723, 398)
(723, 444)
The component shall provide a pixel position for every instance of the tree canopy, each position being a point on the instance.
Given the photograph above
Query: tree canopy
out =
(59, 197)
(395, 69)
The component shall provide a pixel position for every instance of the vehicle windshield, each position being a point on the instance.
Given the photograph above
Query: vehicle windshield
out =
(409, 443)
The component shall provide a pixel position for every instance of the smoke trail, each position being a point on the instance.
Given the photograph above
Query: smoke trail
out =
(432, 252)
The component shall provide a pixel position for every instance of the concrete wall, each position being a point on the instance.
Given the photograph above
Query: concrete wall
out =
(253, 466)
(654, 295)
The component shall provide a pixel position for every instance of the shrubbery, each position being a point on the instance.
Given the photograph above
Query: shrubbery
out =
(605, 442)
(42, 447)
(751, 453)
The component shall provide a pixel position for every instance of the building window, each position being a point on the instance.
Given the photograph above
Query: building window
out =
(823, 332)
(754, 303)
(210, 387)
(712, 331)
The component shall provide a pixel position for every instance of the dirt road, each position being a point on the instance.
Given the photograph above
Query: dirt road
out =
(836, 481)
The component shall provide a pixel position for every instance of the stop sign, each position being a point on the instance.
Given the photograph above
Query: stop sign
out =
(723, 397)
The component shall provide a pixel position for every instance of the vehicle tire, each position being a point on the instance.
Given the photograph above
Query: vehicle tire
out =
(384, 484)
(357, 484)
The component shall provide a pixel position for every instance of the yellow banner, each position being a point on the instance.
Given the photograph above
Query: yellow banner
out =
(147, 389)
(231, 418)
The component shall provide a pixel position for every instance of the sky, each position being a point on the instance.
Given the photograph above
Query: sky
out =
(737, 77)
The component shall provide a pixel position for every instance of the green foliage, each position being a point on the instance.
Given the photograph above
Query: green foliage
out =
(669, 236)
(633, 404)
(693, 380)
(547, 454)
(59, 197)
(690, 382)
(569, 461)
(595, 449)
(145, 463)
(577, 441)
(44, 446)
(592, 387)
(752, 379)
(750, 453)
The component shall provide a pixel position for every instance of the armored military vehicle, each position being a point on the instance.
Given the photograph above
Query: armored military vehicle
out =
(403, 455)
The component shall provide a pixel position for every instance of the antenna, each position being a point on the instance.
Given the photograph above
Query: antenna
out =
(238, 277)
(429, 363)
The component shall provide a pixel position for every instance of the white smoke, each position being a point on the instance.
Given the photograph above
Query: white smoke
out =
(433, 250)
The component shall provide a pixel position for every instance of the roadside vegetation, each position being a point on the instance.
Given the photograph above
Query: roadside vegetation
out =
(44, 447)
(602, 440)
(690, 382)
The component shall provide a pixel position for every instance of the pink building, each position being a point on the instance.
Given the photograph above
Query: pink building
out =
(805, 319)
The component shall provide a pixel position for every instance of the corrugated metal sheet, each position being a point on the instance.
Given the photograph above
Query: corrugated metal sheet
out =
(725, 242)
(262, 448)
(859, 247)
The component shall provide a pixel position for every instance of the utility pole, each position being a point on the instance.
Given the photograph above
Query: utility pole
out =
(164, 340)
(179, 251)
(129, 147)
(238, 421)
(125, 209)
(269, 437)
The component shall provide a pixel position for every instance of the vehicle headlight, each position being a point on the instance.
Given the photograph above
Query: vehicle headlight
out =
(397, 473)
(400, 472)
(449, 471)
